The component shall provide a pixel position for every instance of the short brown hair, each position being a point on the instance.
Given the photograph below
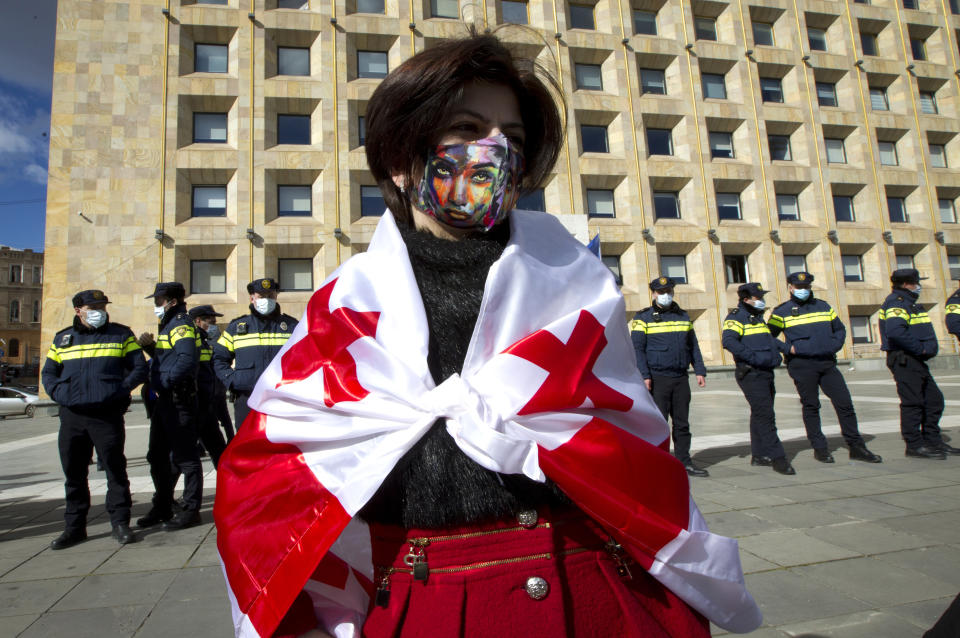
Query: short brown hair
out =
(407, 109)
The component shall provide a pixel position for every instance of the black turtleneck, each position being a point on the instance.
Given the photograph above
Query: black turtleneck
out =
(435, 484)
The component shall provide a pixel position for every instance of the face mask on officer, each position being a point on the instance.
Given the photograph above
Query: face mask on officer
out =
(664, 299)
(758, 304)
(264, 305)
(801, 293)
(213, 332)
(96, 318)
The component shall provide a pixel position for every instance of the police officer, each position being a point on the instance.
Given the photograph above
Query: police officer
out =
(756, 354)
(173, 422)
(205, 320)
(814, 334)
(250, 343)
(90, 370)
(666, 346)
(953, 314)
(907, 336)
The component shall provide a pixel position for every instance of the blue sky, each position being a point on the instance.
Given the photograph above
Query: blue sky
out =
(27, 35)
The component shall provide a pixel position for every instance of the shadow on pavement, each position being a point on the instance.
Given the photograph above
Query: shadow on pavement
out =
(792, 447)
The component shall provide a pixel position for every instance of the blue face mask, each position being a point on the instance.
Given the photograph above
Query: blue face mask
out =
(801, 293)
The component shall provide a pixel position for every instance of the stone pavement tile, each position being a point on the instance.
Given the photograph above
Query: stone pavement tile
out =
(858, 487)
(102, 622)
(804, 493)
(763, 632)
(24, 548)
(142, 558)
(738, 524)
(206, 555)
(13, 625)
(117, 590)
(943, 527)
(868, 538)
(57, 565)
(865, 624)
(865, 508)
(801, 515)
(752, 563)
(924, 613)
(787, 597)
(789, 547)
(922, 500)
(9, 563)
(764, 477)
(158, 537)
(198, 582)
(203, 617)
(874, 581)
(747, 499)
(33, 597)
(916, 480)
(942, 563)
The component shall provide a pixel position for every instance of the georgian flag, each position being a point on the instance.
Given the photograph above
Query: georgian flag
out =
(549, 388)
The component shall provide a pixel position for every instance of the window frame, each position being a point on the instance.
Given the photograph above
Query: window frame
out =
(368, 75)
(796, 204)
(929, 97)
(714, 77)
(857, 323)
(193, 200)
(705, 28)
(299, 50)
(740, 264)
(580, 13)
(777, 90)
(953, 210)
(858, 278)
(901, 203)
(196, 56)
(652, 14)
(591, 195)
(918, 49)
(594, 130)
(942, 155)
(644, 84)
(382, 4)
(675, 199)
(539, 193)
(953, 266)
(365, 201)
(226, 132)
(579, 72)
(290, 118)
(18, 277)
(294, 213)
(878, 95)
(657, 132)
(15, 311)
(788, 155)
(821, 38)
(852, 208)
(617, 272)
(728, 206)
(769, 32)
(667, 270)
(280, 264)
(435, 10)
(843, 149)
(891, 150)
(832, 86)
(716, 150)
(872, 49)
(194, 290)
(790, 269)
(514, 4)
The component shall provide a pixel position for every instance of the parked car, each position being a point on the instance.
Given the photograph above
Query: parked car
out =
(14, 401)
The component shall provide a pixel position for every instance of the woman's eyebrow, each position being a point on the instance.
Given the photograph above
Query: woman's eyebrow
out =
(474, 114)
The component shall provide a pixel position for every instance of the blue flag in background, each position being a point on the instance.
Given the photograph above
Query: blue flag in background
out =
(594, 245)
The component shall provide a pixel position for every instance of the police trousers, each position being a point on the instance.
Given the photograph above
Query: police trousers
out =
(672, 396)
(173, 441)
(812, 375)
(921, 402)
(759, 390)
(209, 427)
(240, 409)
(82, 430)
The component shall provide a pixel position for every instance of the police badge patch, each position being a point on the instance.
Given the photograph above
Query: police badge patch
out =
(283, 325)
(66, 340)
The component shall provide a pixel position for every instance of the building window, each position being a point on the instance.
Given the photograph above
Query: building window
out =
(14, 311)
(293, 4)
(362, 130)
(209, 127)
(714, 86)
(794, 263)
(953, 261)
(210, 58)
(948, 212)
(860, 329)
(208, 276)
(16, 274)
(852, 267)
(38, 274)
(644, 22)
(771, 90)
(955, 7)
(938, 156)
(736, 268)
(594, 139)
(817, 39)
(613, 263)
(705, 28)
(728, 206)
(581, 16)
(659, 141)
(888, 153)
(444, 8)
(905, 261)
(836, 153)
(675, 267)
(371, 6)
(666, 205)
(788, 208)
(36, 311)
(721, 145)
(928, 101)
(763, 33)
(897, 209)
(918, 48)
(843, 208)
(534, 200)
(779, 147)
(826, 94)
(294, 201)
(293, 61)
(293, 129)
(653, 81)
(371, 64)
(589, 77)
(514, 12)
(295, 274)
(222, 3)
(600, 203)
(878, 99)
(209, 201)
(371, 201)
(909, 4)
(14, 351)
(868, 42)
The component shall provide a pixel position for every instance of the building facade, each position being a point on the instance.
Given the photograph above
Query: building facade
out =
(713, 141)
(21, 292)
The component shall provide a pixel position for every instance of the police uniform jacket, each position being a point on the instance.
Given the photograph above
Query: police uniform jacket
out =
(748, 338)
(177, 351)
(953, 314)
(206, 377)
(93, 366)
(811, 327)
(665, 342)
(905, 326)
(250, 342)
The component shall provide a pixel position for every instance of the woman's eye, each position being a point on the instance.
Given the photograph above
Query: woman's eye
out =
(481, 177)
(442, 171)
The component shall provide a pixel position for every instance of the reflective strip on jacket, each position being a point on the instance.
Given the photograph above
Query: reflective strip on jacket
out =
(953, 314)
(905, 326)
(665, 342)
(747, 337)
(810, 327)
(177, 352)
(247, 346)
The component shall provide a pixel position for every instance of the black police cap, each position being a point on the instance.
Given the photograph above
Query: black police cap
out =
(752, 289)
(205, 310)
(905, 276)
(262, 285)
(87, 297)
(662, 283)
(169, 289)
(801, 278)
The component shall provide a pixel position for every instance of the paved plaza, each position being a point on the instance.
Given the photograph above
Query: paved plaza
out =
(845, 550)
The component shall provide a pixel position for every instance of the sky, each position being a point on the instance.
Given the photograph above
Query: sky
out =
(27, 35)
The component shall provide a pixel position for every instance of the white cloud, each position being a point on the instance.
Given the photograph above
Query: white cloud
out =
(23, 139)
(11, 141)
(36, 173)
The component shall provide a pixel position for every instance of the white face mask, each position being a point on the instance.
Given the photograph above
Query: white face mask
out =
(96, 318)
(759, 304)
(801, 293)
(918, 289)
(159, 311)
(264, 305)
(213, 332)
(664, 299)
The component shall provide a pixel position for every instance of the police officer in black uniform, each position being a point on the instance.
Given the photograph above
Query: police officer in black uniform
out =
(908, 338)
(756, 354)
(250, 343)
(814, 334)
(90, 370)
(953, 314)
(666, 346)
(173, 422)
(204, 318)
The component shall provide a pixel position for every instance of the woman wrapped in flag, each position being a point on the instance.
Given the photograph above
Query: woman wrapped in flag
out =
(456, 440)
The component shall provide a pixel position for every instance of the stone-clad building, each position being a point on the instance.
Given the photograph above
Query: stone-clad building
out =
(715, 141)
(21, 292)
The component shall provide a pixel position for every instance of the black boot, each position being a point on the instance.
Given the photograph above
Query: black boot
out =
(693, 470)
(764, 461)
(69, 538)
(861, 453)
(823, 455)
(926, 452)
(123, 534)
(782, 465)
(154, 517)
(183, 520)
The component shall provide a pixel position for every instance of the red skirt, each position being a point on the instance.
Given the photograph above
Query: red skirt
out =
(558, 575)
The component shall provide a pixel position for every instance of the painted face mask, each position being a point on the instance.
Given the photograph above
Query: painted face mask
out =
(471, 185)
